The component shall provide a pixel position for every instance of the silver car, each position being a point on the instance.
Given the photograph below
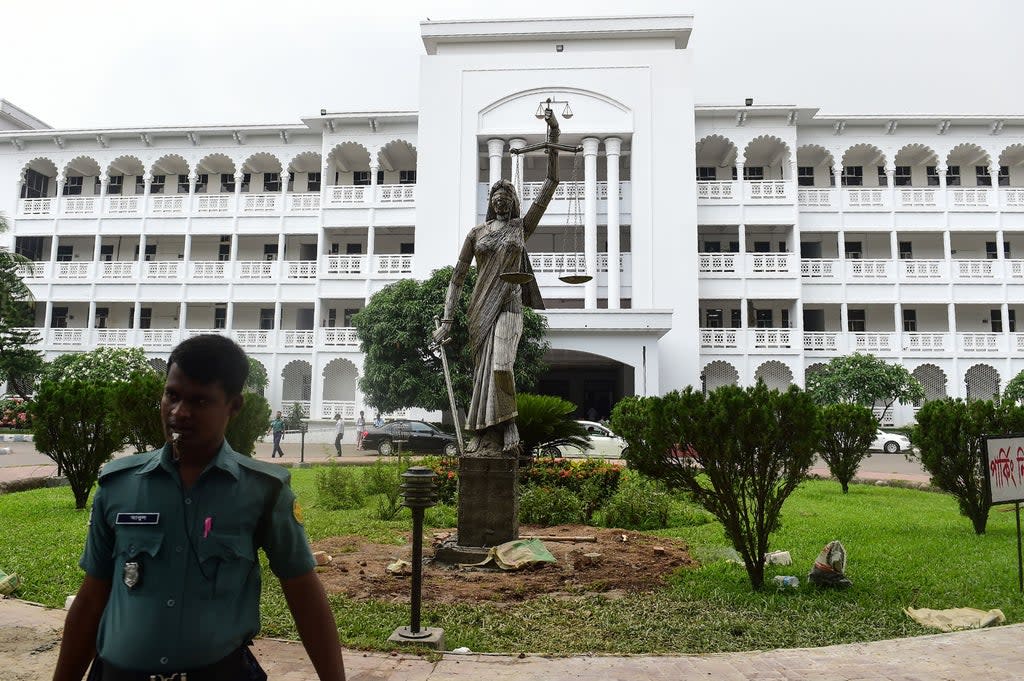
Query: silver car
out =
(890, 443)
(606, 444)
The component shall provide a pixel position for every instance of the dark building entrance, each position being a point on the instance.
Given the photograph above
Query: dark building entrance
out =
(592, 382)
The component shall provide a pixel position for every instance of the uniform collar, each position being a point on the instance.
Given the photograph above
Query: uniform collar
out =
(224, 460)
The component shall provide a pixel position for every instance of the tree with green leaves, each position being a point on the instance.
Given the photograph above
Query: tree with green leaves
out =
(548, 420)
(865, 380)
(249, 424)
(20, 364)
(257, 381)
(737, 452)
(402, 368)
(75, 415)
(1014, 391)
(950, 442)
(295, 418)
(846, 434)
(137, 407)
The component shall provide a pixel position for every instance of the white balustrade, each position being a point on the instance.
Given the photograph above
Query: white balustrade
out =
(866, 197)
(252, 338)
(346, 264)
(72, 270)
(117, 338)
(717, 263)
(163, 338)
(970, 197)
(394, 264)
(716, 190)
(1013, 197)
(770, 263)
(918, 197)
(924, 341)
(885, 417)
(922, 269)
(259, 203)
(255, 269)
(867, 269)
(772, 339)
(299, 339)
(810, 197)
(208, 269)
(766, 190)
(300, 269)
(117, 269)
(213, 203)
(345, 194)
(872, 341)
(1018, 342)
(558, 263)
(719, 339)
(1015, 269)
(344, 408)
(308, 202)
(79, 205)
(602, 262)
(65, 338)
(161, 269)
(567, 190)
(124, 205)
(975, 269)
(32, 270)
(980, 342)
(821, 341)
(339, 337)
(31, 207)
(191, 333)
(286, 405)
(172, 204)
(396, 193)
(818, 268)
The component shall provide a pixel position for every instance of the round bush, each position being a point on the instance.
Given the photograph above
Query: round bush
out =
(639, 504)
(550, 506)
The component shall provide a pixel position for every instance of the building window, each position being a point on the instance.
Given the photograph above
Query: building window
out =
(910, 320)
(853, 250)
(734, 246)
(101, 317)
(150, 252)
(406, 177)
(65, 253)
(220, 317)
(246, 180)
(906, 250)
(29, 246)
(353, 249)
(227, 182)
(855, 320)
(805, 176)
(115, 185)
(183, 184)
(996, 318)
(902, 176)
(992, 254)
(36, 185)
(953, 176)
(146, 318)
(157, 185)
(762, 247)
(271, 182)
(407, 248)
(883, 181)
(266, 318)
(753, 173)
(106, 252)
(932, 175)
(713, 319)
(59, 318)
(312, 182)
(853, 176)
(736, 318)
(73, 186)
(350, 312)
(361, 178)
(785, 318)
(763, 319)
(270, 251)
(706, 173)
(202, 183)
(712, 246)
(1004, 176)
(982, 177)
(224, 251)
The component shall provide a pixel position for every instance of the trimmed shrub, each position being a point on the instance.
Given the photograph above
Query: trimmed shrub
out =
(639, 504)
(846, 433)
(338, 488)
(441, 515)
(249, 424)
(550, 506)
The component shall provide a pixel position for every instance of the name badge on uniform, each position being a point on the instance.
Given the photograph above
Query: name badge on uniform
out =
(137, 519)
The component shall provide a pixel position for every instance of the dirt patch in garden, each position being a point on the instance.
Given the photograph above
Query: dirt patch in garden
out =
(627, 561)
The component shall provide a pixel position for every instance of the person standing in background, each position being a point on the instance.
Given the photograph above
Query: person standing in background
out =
(360, 427)
(277, 428)
(339, 432)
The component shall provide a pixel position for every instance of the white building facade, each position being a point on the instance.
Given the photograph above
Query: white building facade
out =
(726, 243)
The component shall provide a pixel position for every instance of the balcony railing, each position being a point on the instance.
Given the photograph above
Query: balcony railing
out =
(346, 265)
(118, 269)
(214, 204)
(719, 339)
(72, 270)
(299, 339)
(568, 190)
(300, 269)
(975, 269)
(716, 190)
(339, 337)
(917, 270)
(159, 338)
(162, 269)
(35, 207)
(255, 269)
(124, 205)
(868, 269)
(821, 341)
(252, 338)
(772, 339)
(981, 342)
(117, 338)
(925, 341)
(79, 205)
(873, 341)
(208, 269)
(172, 204)
(32, 270)
(394, 264)
(304, 203)
(260, 203)
(345, 194)
(771, 263)
(819, 268)
(918, 197)
(872, 198)
(814, 197)
(767, 190)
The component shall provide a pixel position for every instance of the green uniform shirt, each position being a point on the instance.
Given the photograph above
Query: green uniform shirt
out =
(197, 596)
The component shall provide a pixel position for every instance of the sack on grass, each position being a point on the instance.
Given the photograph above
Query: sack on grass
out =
(830, 566)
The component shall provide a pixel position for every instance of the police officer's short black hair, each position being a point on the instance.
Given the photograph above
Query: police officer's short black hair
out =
(212, 358)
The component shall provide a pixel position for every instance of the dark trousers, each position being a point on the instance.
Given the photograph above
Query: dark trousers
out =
(337, 442)
(278, 434)
(240, 665)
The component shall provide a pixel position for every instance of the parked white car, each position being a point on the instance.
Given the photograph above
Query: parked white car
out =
(607, 445)
(890, 443)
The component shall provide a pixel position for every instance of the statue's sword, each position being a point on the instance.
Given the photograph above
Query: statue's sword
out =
(451, 392)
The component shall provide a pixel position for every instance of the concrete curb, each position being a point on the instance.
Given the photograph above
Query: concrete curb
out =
(15, 437)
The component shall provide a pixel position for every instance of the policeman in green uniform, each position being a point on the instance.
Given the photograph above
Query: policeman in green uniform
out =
(172, 581)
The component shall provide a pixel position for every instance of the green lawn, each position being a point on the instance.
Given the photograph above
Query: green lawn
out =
(905, 547)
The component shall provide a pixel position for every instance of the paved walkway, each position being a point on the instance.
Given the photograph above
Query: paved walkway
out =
(29, 636)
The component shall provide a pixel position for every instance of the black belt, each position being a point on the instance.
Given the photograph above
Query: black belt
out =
(233, 667)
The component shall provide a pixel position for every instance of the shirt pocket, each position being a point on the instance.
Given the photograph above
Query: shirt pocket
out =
(227, 560)
(136, 545)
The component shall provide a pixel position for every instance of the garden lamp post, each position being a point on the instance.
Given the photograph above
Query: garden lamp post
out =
(419, 494)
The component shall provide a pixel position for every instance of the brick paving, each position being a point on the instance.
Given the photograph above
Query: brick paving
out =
(28, 635)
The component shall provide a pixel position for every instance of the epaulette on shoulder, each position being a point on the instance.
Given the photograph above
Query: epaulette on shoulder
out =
(279, 473)
(126, 463)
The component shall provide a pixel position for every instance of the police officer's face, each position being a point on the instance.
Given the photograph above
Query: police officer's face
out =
(197, 412)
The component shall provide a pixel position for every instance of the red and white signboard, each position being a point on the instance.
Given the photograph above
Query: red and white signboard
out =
(1004, 468)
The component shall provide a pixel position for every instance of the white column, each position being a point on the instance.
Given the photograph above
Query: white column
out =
(374, 167)
(58, 201)
(104, 182)
(897, 314)
(182, 314)
(741, 257)
(894, 246)
(740, 183)
(947, 247)
(941, 170)
(844, 317)
(91, 322)
(1004, 313)
(517, 166)
(590, 145)
(993, 171)
(1000, 249)
(193, 177)
(951, 320)
(229, 317)
(612, 148)
(238, 191)
(97, 242)
(495, 147)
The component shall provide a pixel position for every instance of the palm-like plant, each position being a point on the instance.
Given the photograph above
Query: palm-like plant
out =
(545, 420)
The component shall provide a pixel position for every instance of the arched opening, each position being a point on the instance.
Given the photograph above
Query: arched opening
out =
(297, 386)
(916, 166)
(339, 389)
(348, 164)
(261, 174)
(39, 179)
(170, 176)
(814, 166)
(1011, 166)
(967, 165)
(215, 175)
(81, 177)
(766, 158)
(863, 166)
(263, 391)
(159, 365)
(304, 173)
(125, 176)
(775, 374)
(933, 379)
(982, 382)
(716, 159)
(593, 383)
(719, 373)
(397, 163)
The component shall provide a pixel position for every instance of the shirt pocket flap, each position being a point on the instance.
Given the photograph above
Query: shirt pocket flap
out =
(132, 541)
(226, 547)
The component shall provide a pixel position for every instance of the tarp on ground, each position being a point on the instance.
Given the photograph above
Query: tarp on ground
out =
(954, 619)
(516, 555)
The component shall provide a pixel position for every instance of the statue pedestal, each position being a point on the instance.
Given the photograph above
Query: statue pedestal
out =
(488, 507)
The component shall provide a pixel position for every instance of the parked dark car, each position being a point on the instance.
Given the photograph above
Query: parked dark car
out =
(413, 436)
